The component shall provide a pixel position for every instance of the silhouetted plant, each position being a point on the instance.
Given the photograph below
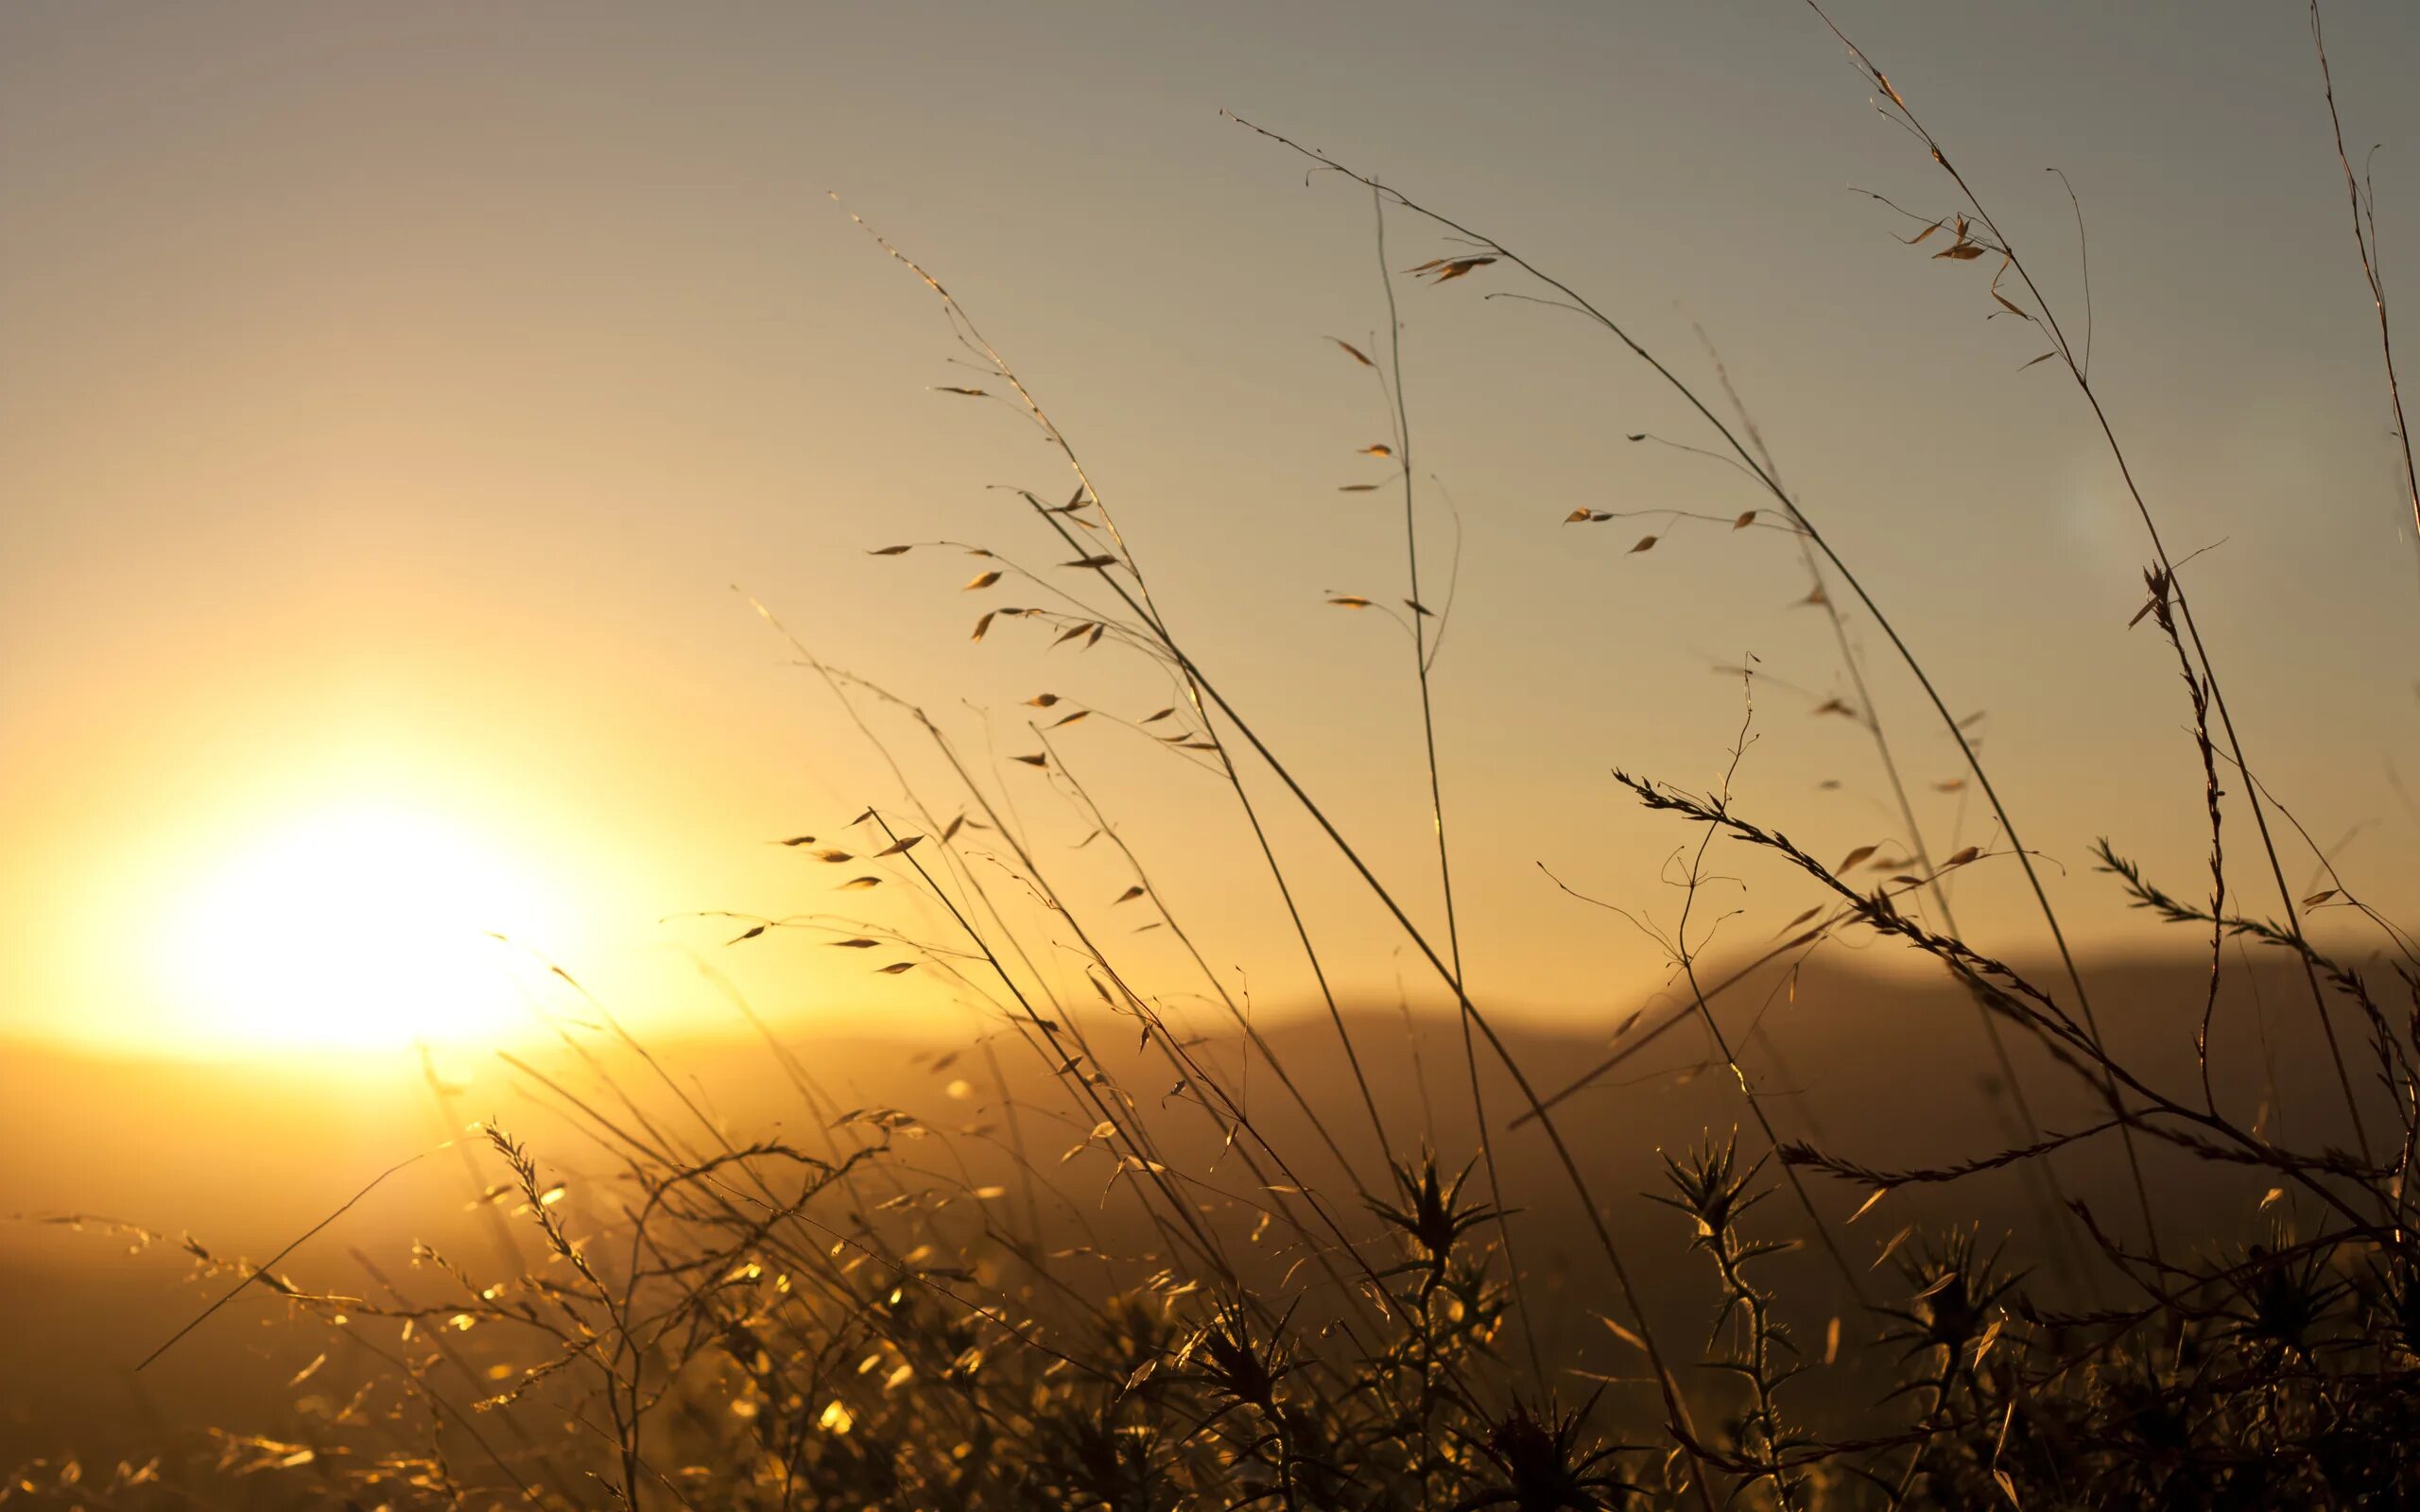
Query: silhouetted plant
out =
(871, 1322)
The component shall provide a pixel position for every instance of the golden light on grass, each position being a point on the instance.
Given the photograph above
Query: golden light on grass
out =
(352, 927)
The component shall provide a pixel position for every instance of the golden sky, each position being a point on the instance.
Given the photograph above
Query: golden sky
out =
(390, 396)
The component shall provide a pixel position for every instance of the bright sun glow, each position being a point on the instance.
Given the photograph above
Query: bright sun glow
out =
(353, 928)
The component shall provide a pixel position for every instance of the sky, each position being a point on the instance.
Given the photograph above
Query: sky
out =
(391, 398)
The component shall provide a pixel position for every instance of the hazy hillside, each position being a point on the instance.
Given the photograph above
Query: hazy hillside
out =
(246, 1157)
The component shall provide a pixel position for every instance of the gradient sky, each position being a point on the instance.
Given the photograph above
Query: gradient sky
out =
(389, 394)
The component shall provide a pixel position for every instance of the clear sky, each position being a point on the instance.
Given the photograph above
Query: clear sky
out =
(389, 394)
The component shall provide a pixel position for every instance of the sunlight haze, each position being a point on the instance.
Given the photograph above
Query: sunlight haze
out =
(392, 397)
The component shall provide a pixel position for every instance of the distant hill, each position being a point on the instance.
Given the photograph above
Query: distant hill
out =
(1889, 1069)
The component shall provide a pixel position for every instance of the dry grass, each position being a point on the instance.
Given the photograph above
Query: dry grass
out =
(1196, 1307)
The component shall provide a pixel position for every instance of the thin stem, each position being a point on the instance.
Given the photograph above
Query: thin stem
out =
(1436, 793)
(1906, 654)
(2050, 322)
(2364, 243)
(2052, 1212)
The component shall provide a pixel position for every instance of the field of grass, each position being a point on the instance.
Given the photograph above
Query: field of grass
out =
(1983, 1229)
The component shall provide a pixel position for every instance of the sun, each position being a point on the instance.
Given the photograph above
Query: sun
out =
(354, 927)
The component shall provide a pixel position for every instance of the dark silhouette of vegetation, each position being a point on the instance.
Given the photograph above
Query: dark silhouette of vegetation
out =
(868, 1320)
